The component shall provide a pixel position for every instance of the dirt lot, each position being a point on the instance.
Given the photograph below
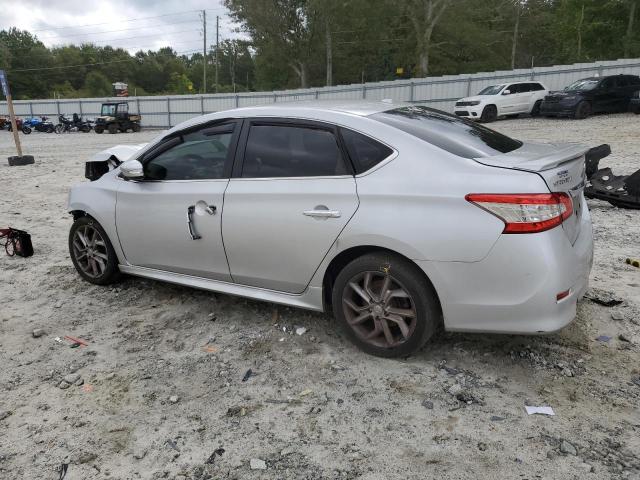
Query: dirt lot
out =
(163, 395)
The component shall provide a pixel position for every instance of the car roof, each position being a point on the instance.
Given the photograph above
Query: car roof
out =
(353, 107)
(309, 109)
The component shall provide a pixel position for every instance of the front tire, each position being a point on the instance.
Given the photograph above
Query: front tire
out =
(113, 128)
(489, 114)
(385, 305)
(92, 253)
(99, 129)
(583, 110)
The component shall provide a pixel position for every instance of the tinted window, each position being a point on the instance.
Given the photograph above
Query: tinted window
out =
(291, 151)
(448, 132)
(634, 80)
(200, 155)
(364, 151)
(492, 90)
(536, 87)
(609, 82)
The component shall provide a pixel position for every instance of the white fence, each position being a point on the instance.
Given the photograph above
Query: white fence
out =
(439, 92)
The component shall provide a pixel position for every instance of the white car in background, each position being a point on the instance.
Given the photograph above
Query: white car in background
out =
(504, 99)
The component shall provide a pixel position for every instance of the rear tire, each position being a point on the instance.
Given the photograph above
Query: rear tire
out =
(113, 128)
(135, 127)
(99, 129)
(489, 114)
(402, 312)
(26, 130)
(92, 253)
(583, 110)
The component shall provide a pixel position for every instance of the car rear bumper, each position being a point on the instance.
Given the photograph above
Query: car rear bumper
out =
(514, 288)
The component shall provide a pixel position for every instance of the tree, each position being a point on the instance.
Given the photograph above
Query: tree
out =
(97, 85)
(424, 16)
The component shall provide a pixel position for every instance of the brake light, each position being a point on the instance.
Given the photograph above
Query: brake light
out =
(525, 212)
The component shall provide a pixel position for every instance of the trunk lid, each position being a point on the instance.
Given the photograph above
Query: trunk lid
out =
(562, 168)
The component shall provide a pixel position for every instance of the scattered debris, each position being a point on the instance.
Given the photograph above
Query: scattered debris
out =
(495, 418)
(428, 404)
(544, 410)
(212, 458)
(249, 373)
(306, 392)
(603, 338)
(633, 262)
(76, 342)
(567, 448)
(37, 333)
(257, 464)
(623, 338)
(237, 411)
(301, 330)
(174, 399)
(604, 298)
(4, 414)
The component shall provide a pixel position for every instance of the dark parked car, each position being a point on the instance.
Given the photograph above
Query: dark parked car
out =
(634, 105)
(591, 95)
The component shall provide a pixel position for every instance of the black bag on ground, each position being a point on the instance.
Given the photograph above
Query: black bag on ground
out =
(16, 242)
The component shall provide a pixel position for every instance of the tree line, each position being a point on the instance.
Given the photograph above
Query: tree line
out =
(312, 43)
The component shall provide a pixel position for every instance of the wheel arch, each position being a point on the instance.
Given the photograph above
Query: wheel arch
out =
(343, 258)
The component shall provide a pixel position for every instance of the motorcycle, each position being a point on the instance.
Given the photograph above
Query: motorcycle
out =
(39, 124)
(75, 125)
(20, 126)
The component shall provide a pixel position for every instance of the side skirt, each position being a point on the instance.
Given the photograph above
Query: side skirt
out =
(310, 299)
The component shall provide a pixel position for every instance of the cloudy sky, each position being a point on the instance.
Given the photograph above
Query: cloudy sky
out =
(130, 24)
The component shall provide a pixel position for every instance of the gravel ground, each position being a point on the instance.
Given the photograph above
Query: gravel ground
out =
(161, 390)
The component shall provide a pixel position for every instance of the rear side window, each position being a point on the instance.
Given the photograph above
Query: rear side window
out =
(634, 80)
(291, 151)
(450, 133)
(365, 152)
(535, 87)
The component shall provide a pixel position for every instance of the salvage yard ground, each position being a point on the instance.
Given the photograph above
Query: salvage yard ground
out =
(162, 391)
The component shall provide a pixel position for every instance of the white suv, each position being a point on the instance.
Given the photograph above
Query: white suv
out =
(505, 99)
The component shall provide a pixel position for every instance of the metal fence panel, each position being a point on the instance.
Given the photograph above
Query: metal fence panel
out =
(439, 92)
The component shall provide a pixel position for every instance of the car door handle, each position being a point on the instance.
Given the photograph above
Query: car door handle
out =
(192, 230)
(321, 213)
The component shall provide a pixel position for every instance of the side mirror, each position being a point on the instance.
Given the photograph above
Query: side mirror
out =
(132, 170)
(506, 92)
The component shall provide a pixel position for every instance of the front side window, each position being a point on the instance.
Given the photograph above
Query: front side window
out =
(492, 90)
(199, 155)
(291, 151)
(449, 132)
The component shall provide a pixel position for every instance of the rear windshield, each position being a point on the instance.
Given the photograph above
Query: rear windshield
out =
(451, 133)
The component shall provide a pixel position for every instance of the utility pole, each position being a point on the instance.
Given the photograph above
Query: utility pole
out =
(217, 40)
(204, 52)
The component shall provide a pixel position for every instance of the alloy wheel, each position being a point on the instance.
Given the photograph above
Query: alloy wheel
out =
(379, 309)
(90, 251)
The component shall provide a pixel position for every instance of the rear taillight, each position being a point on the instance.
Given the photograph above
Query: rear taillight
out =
(525, 212)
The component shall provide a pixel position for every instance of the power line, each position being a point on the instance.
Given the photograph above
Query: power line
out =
(117, 21)
(120, 30)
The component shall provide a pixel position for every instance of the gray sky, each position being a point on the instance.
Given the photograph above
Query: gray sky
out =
(121, 23)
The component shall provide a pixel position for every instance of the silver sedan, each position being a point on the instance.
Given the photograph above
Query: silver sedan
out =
(399, 219)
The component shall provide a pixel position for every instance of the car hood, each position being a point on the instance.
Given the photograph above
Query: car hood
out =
(122, 153)
(564, 93)
(476, 98)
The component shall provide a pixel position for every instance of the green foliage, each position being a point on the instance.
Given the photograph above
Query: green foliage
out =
(298, 43)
